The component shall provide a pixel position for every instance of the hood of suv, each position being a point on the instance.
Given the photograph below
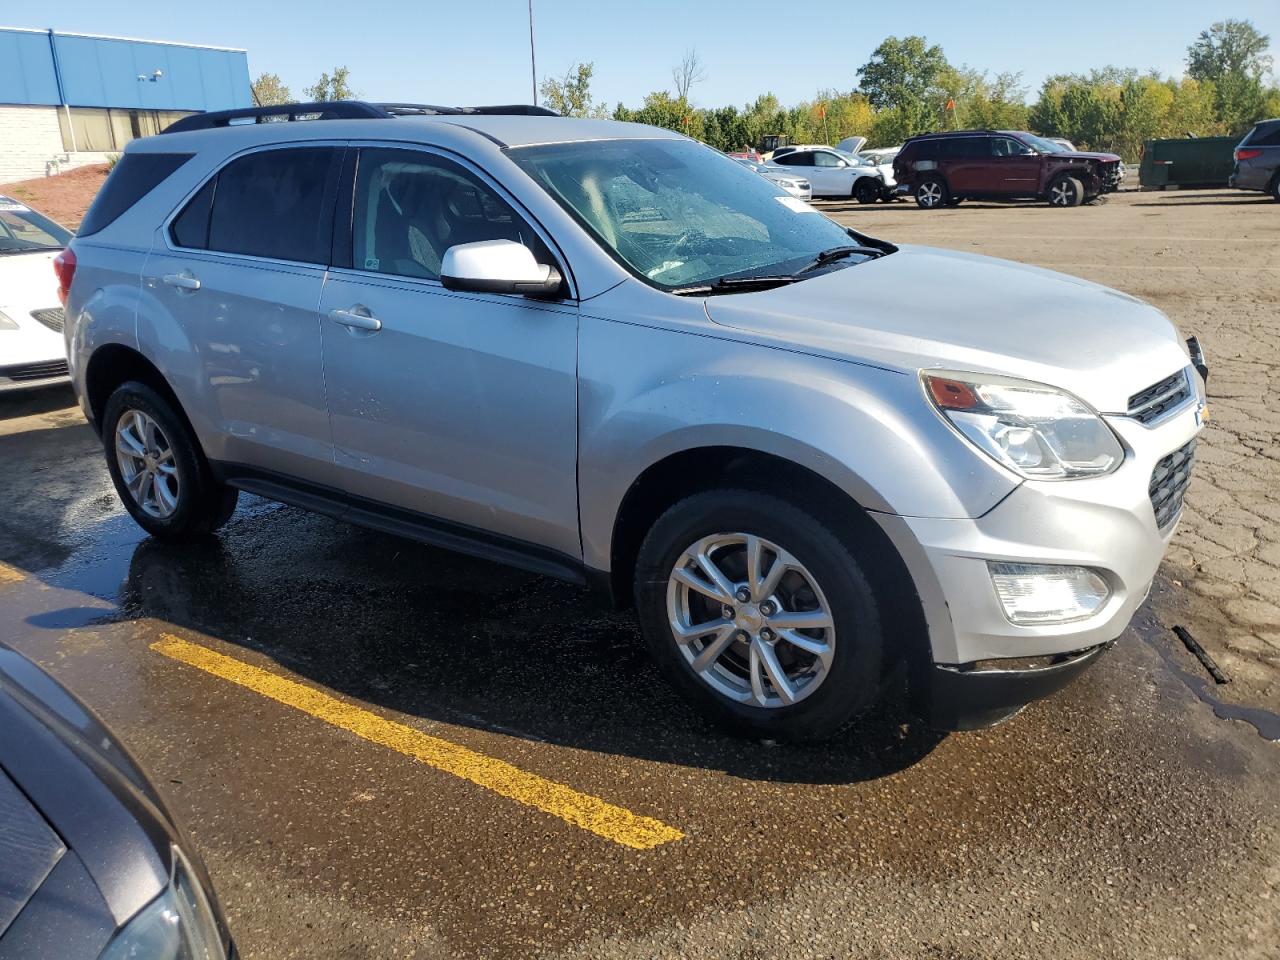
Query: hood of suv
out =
(923, 307)
(1083, 155)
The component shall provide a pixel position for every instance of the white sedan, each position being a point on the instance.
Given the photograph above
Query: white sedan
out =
(32, 351)
(832, 173)
(796, 186)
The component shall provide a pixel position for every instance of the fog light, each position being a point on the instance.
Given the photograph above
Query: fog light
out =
(1033, 593)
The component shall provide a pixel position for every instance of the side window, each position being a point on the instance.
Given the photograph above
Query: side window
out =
(801, 158)
(410, 207)
(823, 159)
(190, 228)
(969, 148)
(275, 203)
(1265, 136)
(1008, 147)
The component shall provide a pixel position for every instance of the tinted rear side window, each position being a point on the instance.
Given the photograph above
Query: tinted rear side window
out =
(191, 227)
(1265, 135)
(133, 177)
(276, 203)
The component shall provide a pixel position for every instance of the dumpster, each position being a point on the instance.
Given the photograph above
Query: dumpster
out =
(1188, 162)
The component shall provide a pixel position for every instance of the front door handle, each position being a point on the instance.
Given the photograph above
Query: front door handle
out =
(183, 281)
(358, 321)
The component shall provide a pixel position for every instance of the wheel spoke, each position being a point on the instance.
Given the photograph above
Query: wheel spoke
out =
(147, 490)
(764, 656)
(711, 652)
(135, 484)
(800, 620)
(755, 553)
(129, 445)
(692, 632)
(809, 645)
(166, 456)
(714, 573)
(771, 580)
(164, 496)
(694, 582)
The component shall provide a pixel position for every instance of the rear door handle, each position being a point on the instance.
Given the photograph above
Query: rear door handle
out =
(357, 321)
(183, 281)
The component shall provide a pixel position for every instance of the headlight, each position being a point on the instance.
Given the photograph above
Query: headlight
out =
(1036, 431)
(177, 925)
(6, 323)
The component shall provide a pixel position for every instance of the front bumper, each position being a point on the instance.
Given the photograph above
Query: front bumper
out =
(1105, 523)
(969, 699)
(29, 376)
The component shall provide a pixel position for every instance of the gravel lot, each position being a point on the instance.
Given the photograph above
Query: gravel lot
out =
(1121, 818)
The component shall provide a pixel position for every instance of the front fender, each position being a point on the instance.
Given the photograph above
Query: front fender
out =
(646, 393)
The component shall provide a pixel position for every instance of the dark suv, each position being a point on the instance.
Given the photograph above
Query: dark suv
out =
(1258, 159)
(941, 169)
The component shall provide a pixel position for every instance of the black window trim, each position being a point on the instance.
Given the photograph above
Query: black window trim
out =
(328, 211)
(344, 245)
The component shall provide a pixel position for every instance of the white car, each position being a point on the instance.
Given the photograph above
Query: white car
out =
(796, 186)
(882, 160)
(832, 172)
(32, 351)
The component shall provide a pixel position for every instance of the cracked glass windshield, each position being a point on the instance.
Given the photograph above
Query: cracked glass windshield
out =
(678, 213)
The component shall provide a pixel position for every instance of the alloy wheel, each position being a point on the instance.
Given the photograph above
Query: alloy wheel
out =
(147, 464)
(1062, 193)
(750, 620)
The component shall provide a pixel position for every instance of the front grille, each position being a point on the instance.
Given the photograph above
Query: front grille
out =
(22, 372)
(1151, 404)
(51, 317)
(1169, 482)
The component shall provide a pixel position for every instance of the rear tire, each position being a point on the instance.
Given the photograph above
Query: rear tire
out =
(158, 469)
(1066, 191)
(867, 190)
(1274, 189)
(830, 673)
(932, 193)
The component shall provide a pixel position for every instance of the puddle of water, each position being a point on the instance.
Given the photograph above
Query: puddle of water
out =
(1156, 636)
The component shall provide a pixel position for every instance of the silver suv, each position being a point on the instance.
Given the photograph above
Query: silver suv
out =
(815, 461)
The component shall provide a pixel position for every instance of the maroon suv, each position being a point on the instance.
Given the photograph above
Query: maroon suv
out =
(941, 169)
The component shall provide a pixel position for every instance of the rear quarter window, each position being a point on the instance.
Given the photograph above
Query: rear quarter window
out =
(133, 177)
(1265, 135)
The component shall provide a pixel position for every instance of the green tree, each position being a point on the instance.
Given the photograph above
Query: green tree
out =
(903, 75)
(331, 87)
(1232, 55)
(269, 91)
(570, 95)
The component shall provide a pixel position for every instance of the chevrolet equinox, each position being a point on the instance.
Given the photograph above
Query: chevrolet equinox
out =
(815, 461)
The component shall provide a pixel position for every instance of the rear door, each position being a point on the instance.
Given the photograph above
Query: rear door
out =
(239, 272)
(967, 165)
(454, 406)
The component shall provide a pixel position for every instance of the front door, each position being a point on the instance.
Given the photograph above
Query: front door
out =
(459, 407)
(1015, 167)
(239, 273)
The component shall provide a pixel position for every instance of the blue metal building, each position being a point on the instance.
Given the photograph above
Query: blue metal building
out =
(68, 99)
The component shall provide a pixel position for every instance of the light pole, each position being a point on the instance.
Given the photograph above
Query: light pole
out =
(533, 62)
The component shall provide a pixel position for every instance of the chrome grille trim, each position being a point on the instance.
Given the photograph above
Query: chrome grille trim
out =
(1149, 405)
(1169, 482)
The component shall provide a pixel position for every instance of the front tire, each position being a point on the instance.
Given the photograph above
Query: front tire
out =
(867, 190)
(759, 615)
(158, 468)
(1066, 191)
(932, 193)
(1274, 189)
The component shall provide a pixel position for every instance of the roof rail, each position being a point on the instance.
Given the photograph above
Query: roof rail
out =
(342, 110)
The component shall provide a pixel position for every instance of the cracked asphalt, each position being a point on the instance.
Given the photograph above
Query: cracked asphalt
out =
(1124, 817)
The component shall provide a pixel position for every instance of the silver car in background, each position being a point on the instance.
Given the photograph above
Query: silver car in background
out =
(814, 461)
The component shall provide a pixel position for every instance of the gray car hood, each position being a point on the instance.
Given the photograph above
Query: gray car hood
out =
(924, 307)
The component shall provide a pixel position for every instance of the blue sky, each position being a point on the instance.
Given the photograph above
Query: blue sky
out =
(478, 52)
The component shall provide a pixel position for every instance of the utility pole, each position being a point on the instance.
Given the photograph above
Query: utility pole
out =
(533, 61)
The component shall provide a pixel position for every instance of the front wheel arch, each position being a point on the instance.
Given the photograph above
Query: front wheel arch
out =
(683, 474)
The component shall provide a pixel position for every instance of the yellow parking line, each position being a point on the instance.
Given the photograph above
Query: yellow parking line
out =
(580, 809)
(10, 574)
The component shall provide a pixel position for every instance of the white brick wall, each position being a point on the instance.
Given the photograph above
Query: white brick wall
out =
(29, 139)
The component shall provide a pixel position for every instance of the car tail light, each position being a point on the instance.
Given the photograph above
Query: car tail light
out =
(1248, 153)
(64, 265)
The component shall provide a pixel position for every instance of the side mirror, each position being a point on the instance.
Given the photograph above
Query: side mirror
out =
(498, 266)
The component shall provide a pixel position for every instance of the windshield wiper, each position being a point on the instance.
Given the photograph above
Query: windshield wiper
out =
(838, 253)
(733, 285)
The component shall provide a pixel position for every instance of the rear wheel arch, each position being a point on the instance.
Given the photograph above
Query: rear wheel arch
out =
(113, 364)
(696, 470)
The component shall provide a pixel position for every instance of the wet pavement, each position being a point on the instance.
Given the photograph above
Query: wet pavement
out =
(1120, 818)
